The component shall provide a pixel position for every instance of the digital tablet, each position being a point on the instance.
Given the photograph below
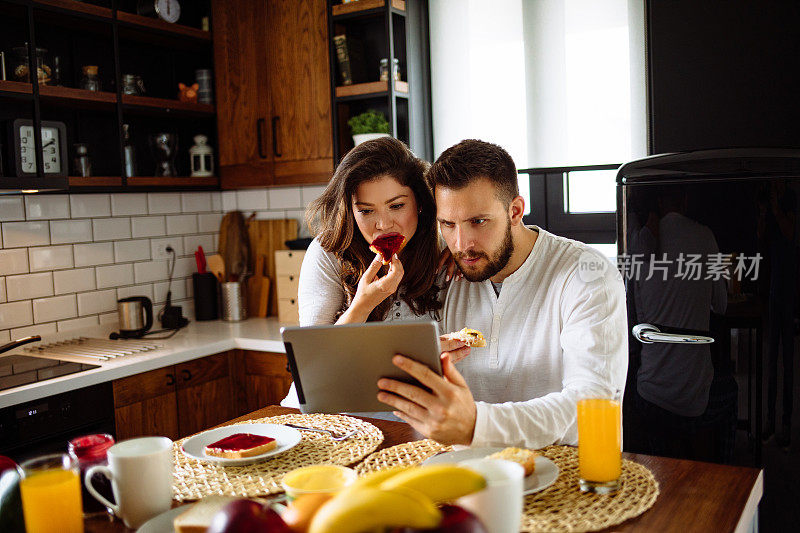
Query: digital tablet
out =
(336, 368)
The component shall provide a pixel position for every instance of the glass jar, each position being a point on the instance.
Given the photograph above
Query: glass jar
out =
(384, 69)
(88, 451)
(21, 65)
(90, 80)
(82, 165)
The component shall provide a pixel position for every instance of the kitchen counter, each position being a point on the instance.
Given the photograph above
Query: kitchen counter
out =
(198, 339)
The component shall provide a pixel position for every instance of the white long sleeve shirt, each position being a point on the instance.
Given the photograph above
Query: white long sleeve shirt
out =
(553, 334)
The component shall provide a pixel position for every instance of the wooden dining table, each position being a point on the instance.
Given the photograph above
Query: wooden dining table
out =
(693, 496)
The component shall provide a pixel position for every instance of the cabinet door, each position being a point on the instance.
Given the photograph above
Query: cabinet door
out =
(300, 91)
(264, 379)
(145, 404)
(205, 393)
(243, 109)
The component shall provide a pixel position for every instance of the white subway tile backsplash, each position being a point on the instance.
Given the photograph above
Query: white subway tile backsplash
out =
(209, 223)
(138, 250)
(40, 207)
(56, 308)
(18, 234)
(193, 202)
(128, 204)
(178, 289)
(109, 318)
(160, 244)
(135, 290)
(114, 276)
(270, 215)
(5, 336)
(101, 253)
(311, 193)
(90, 303)
(50, 257)
(78, 323)
(159, 203)
(180, 224)
(252, 199)
(78, 280)
(285, 198)
(11, 208)
(108, 229)
(148, 226)
(14, 261)
(2, 290)
(152, 271)
(185, 266)
(90, 205)
(16, 314)
(228, 201)
(67, 231)
(299, 215)
(216, 201)
(40, 329)
(191, 242)
(27, 286)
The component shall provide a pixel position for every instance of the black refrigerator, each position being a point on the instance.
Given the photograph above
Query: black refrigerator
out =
(708, 250)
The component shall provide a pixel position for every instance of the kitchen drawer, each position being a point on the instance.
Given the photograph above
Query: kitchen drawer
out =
(288, 261)
(288, 311)
(287, 285)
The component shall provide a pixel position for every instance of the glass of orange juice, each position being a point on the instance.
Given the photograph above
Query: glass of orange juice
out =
(600, 443)
(51, 495)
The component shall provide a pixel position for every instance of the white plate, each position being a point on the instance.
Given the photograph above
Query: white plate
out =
(163, 523)
(545, 474)
(287, 439)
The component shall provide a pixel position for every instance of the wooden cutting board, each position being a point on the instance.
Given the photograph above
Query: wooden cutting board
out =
(266, 236)
(258, 290)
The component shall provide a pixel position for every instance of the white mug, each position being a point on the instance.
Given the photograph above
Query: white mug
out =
(499, 505)
(140, 471)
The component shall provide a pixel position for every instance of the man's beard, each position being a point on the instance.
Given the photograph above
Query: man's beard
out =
(496, 263)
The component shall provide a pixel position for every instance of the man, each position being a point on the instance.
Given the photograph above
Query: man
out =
(552, 309)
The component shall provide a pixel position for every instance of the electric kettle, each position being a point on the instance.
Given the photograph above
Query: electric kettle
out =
(135, 316)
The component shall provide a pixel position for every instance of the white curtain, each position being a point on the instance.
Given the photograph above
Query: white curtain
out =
(555, 82)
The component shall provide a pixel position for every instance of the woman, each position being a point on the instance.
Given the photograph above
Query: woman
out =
(378, 188)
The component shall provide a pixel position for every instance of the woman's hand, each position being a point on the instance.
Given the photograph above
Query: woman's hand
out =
(372, 290)
(447, 262)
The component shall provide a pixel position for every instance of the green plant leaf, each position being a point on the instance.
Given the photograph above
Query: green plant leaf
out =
(370, 121)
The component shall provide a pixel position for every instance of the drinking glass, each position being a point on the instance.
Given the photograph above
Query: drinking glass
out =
(600, 443)
(51, 495)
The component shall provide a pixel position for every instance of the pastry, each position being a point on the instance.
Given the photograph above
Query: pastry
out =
(198, 517)
(522, 456)
(470, 337)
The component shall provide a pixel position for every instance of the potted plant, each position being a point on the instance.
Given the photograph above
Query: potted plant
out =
(368, 125)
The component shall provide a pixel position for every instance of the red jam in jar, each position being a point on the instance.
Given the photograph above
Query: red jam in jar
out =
(90, 450)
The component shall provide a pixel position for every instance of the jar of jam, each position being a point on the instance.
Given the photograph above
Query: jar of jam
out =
(90, 450)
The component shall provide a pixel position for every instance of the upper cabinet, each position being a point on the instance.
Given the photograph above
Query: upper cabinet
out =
(273, 92)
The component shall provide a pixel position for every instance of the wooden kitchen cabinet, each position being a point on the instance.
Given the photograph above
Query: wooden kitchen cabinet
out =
(175, 401)
(273, 92)
(262, 379)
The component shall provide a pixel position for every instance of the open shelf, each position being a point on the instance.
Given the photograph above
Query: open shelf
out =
(75, 8)
(166, 105)
(15, 87)
(371, 89)
(95, 181)
(360, 7)
(179, 181)
(159, 26)
(78, 97)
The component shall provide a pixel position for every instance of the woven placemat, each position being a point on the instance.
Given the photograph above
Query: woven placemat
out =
(560, 507)
(195, 479)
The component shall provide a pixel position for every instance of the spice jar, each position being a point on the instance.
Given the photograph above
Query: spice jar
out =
(88, 451)
(90, 81)
(21, 65)
(82, 164)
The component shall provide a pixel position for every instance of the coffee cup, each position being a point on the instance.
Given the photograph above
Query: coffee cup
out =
(140, 471)
(499, 505)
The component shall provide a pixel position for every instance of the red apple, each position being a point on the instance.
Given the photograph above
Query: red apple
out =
(247, 516)
(455, 519)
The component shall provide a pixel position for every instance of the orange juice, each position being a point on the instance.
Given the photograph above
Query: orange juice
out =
(51, 501)
(599, 440)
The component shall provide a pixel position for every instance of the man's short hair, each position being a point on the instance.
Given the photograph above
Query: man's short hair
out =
(470, 160)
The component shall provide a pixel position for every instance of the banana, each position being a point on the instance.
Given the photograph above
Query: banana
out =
(367, 508)
(374, 479)
(441, 483)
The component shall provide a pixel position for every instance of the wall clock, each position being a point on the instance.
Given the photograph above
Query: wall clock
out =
(54, 148)
(166, 10)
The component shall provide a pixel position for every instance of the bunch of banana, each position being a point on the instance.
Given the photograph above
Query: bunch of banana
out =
(397, 497)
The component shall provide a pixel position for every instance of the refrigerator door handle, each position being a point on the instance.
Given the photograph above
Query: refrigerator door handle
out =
(649, 334)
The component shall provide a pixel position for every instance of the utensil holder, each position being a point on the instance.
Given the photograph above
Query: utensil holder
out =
(233, 307)
(205, 296)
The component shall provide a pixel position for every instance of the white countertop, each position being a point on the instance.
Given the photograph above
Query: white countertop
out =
(198, 339)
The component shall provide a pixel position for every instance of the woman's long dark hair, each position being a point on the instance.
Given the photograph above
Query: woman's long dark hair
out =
(331, 219)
